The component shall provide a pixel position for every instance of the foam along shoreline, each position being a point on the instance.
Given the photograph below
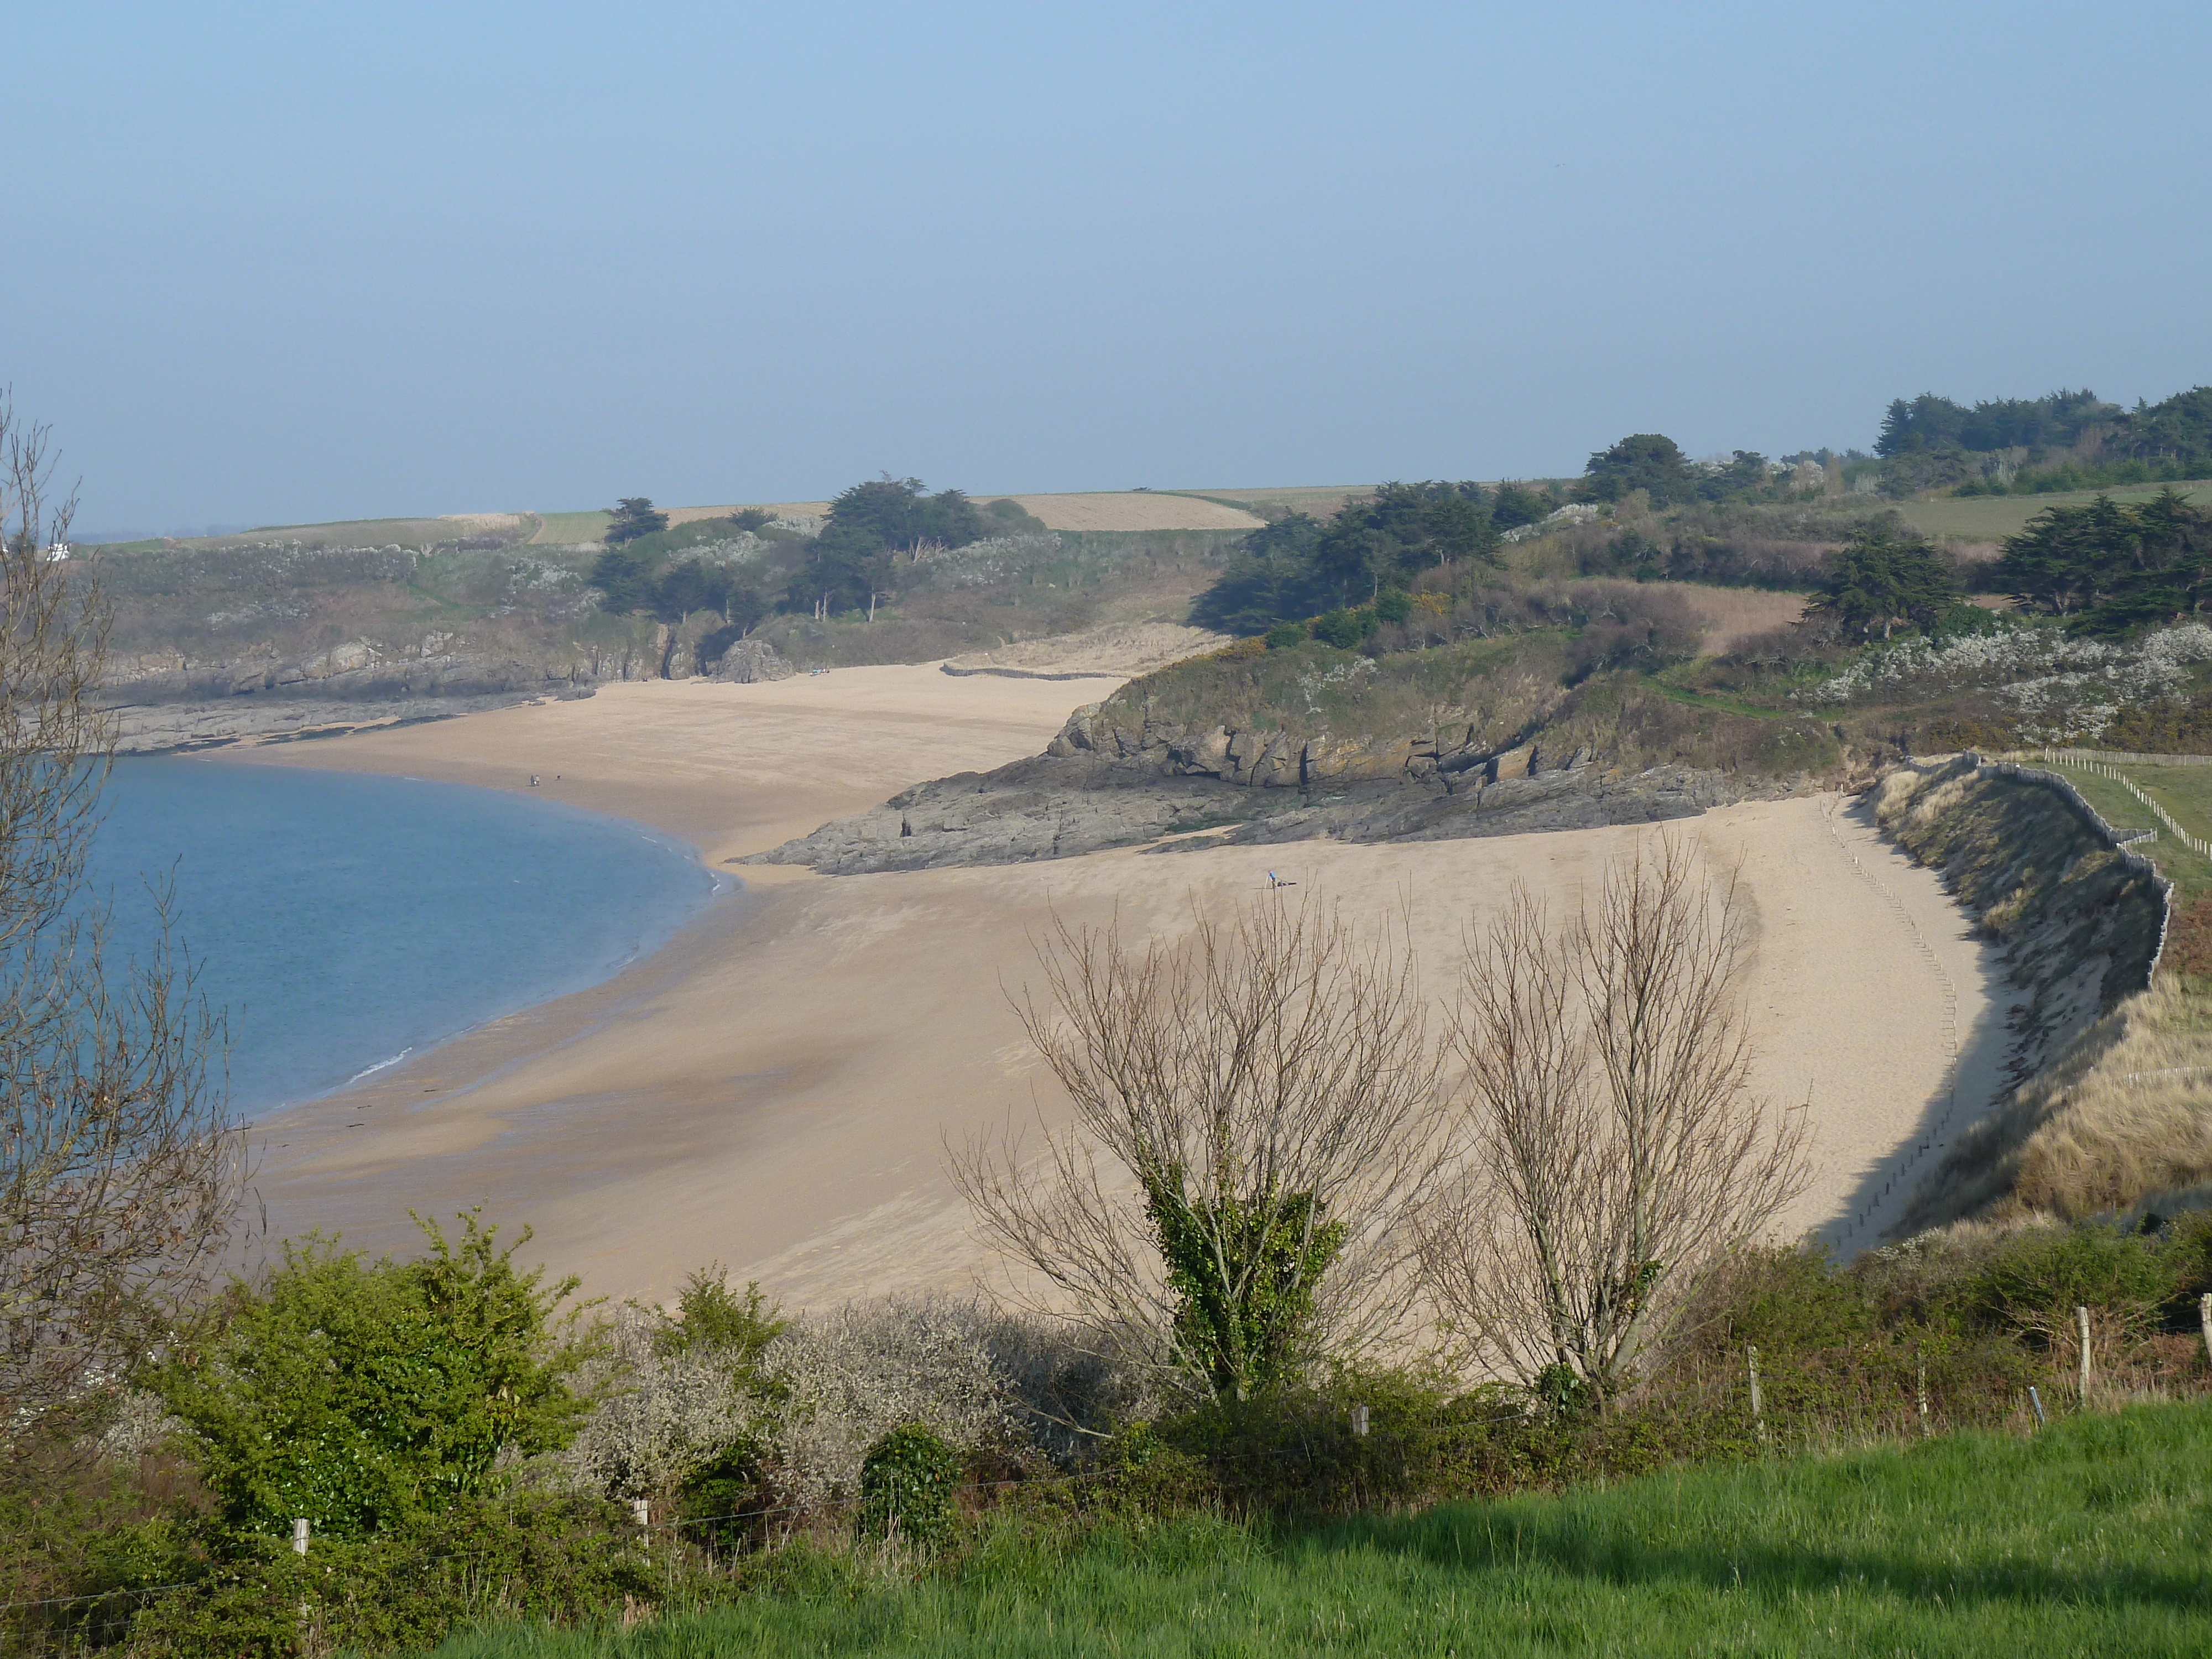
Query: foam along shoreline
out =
(776, 1088)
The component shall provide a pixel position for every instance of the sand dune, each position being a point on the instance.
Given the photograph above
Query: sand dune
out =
(1117, 651)
(775, 1090)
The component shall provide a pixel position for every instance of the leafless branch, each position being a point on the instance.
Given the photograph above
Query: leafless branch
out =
(1615, 1152)
(1265, 1079)
(119, 1169)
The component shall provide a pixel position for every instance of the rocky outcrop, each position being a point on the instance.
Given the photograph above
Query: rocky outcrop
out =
(164, 704)
(1455, 757)
(750, 662)
(1099, 786)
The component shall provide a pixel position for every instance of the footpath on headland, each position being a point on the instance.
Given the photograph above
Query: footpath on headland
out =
(776, 1088)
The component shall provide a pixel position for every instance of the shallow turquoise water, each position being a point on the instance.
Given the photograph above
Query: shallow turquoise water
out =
(341, 922)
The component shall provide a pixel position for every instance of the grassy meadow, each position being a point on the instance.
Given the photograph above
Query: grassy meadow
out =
(1991, 518)
(2183, 791)
(2087, 1539)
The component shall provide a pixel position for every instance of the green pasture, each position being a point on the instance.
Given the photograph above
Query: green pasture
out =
(2183, 791)
(568, 528)
(2091, 1538)
(1991, 518)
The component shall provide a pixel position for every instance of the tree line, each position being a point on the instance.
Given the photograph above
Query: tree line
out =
(2112, 567)
(853, 563)
(1300, 568)
(2063, 441)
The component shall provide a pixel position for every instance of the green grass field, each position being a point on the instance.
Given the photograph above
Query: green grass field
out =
(565, 528)
(2183, 791)
(1989, 518)
(2090, 1539)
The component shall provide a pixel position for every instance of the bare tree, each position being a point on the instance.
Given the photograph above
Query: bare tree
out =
(1254, 1114)
(119, 1170)
(1616, 1154)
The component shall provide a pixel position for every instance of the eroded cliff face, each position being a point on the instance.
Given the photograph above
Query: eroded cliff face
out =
(2080, 919)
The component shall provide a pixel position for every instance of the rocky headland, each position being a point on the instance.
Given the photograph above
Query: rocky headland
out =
(1107, 781)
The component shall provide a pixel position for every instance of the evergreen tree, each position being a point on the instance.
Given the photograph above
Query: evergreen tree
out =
(1879, 579)
(1649, 461)
(634, 516)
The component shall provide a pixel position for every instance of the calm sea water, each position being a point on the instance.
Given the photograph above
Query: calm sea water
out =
(344, 922)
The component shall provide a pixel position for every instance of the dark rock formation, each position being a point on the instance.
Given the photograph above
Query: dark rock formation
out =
(749, 662)
(1099, 784)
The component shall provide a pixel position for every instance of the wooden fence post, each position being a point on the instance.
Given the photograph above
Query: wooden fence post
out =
(2204, 1322)
(1758, 1401)
(1920, 1392)
(2081, 1333)
(299, 1535)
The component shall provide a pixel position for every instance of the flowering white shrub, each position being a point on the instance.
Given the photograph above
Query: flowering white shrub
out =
(851, 1376)
(2061, 688)
(661, 1418)
(831, 1386)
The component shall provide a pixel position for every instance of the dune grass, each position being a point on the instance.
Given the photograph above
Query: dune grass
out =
(2089, 1538)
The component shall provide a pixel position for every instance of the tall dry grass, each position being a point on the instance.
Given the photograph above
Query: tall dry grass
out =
(2122, 1120)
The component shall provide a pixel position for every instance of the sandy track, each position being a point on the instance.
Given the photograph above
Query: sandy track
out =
(776, 1089)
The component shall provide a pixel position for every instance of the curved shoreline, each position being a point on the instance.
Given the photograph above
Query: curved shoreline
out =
(338, 928)
(775, 1087)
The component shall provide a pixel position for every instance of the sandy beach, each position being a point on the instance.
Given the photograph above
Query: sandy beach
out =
(776, 1089)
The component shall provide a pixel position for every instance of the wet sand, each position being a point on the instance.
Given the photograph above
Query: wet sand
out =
(776, 1088)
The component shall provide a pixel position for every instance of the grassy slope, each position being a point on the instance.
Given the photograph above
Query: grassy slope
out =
(2090, 1539)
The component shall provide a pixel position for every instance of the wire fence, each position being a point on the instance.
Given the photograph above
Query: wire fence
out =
(2093, 762)
(671, 1527)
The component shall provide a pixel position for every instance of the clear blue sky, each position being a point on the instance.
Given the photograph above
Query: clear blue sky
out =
(285, 262)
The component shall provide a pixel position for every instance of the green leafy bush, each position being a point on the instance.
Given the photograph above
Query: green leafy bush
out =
(710, 1315)
(1344, 629)
(2035, 1284)
(1284, 635)
(907, 1482)
(531, 1557)
(364, 1396)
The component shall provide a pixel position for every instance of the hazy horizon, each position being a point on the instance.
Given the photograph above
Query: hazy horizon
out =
(274, 266)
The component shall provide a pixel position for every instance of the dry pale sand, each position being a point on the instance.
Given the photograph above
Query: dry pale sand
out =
(1114, 651)
(776, 1089)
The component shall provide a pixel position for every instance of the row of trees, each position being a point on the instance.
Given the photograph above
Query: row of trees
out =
(2063, 440)
(1300, 565)
(1928, 422)
(1263, 1172)
(853, 563)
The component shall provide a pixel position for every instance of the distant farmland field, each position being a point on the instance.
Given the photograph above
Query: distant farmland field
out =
(1991, 518)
